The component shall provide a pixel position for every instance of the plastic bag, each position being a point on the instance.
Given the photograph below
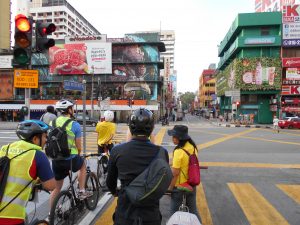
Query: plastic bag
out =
(183, 218)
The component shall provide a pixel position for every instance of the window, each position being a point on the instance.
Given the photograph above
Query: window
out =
(265, 31)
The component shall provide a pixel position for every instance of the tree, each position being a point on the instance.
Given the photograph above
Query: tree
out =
(187, 99)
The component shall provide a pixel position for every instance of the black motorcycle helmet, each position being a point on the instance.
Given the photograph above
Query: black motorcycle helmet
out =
(141, 122)
(28, 128)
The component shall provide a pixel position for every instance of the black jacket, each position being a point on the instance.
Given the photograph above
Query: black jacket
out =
(126, 162)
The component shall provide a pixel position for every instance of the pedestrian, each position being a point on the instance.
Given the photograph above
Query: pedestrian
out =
(25, 169)
(183, 141)
(48, 116)
(106, 131)
(275, 124)
(126, 162)
(75, 163)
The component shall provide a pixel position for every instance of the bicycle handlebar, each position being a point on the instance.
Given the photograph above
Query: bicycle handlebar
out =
(35, 188)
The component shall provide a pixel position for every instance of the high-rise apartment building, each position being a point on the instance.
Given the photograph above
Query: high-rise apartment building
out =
(168, 38)
(68, 21)
(5, 24)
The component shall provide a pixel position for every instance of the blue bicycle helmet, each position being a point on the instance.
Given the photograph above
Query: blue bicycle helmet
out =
(28, 128)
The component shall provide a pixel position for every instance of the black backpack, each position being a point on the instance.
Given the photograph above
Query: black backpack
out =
(152, 183)
(57, 146)
(4, 170)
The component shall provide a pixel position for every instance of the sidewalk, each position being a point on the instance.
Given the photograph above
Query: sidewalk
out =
(8, 125)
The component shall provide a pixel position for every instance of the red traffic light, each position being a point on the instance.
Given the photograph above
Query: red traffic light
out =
(22, 23)
(237, 103)
(45, 29)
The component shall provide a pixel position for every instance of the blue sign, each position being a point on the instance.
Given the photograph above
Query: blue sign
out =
(73, 85)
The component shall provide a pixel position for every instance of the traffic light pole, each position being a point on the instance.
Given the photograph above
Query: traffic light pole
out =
(83, 116)
(92, 96)
(27, 102)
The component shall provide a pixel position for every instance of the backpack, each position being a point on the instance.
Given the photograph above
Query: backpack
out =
(193, 170)
(152, 183)
(57, 146)
(4, 170)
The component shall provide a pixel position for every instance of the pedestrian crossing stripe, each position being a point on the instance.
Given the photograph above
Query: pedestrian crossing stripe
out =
(256, 208)
(291, 190)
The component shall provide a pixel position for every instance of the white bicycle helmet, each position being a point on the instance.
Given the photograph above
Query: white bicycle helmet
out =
(109, 116)
(63, 105)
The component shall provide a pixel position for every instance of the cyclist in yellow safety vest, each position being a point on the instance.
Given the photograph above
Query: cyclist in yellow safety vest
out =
(30, 163)
(62, 167)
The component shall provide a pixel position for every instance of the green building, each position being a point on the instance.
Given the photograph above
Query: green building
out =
(249, 70)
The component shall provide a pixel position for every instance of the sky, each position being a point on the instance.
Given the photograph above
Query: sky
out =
(199, 25)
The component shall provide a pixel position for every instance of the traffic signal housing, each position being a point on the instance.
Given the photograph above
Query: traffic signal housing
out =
(42, 43)
(23, 41)
(24, 111)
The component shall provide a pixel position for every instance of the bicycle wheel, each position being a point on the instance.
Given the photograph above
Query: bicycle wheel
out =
(102, 170)
(91, 185)
(62, 209)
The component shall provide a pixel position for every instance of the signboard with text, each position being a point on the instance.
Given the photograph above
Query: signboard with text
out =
(26, 78)
(73, 85)
(291, 25)
(292, 74)
(291, 62)
(290, 90)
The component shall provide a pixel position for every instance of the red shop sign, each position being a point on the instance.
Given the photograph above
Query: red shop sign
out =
(290, 90)
(291, 62)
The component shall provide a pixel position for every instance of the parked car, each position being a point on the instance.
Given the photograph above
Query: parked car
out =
(289, 122)
(89, 121)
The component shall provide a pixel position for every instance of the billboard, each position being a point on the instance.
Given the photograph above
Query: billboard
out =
(272, 5)
(81, 58)
(135, 53)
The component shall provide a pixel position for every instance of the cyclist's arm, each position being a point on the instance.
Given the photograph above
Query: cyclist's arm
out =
(176, 165)
(44, 171)
(176, 173)
(76, 129)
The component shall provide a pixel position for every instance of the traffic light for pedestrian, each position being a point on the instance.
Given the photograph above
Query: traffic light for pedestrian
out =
(24, 110)
(41, 31)
(23, 41)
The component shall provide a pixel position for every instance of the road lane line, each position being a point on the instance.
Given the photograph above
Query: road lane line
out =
(106, 217)
(256, 208)
(222, 139)
(270, 140)
(160, 135)
(282, 132)
(293, 191)
(250, 165)
(203, 206)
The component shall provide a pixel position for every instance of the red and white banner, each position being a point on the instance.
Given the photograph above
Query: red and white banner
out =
(290, 90)
(292, 73)
(291, 109)
(291, 62)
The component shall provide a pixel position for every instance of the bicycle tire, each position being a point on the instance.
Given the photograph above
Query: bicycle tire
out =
(101, 173)
(91, 184)
(57, 214)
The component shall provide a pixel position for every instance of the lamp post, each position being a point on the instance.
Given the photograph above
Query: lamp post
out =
(92, 95)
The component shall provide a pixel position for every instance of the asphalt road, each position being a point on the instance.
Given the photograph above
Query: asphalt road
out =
(253, 175)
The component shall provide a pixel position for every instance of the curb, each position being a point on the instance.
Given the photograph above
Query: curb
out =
(245, 126)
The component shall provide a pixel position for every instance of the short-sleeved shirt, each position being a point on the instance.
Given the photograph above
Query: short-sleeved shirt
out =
(181, 161)
(105, 130)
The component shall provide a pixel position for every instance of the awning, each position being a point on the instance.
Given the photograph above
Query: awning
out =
(42, 107)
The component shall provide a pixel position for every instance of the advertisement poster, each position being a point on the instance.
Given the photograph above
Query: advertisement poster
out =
(262, 75)
(293, 73)
(81, 58)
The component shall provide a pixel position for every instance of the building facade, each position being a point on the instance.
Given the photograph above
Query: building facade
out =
(249, 77)
(207, 89)
(5, 30)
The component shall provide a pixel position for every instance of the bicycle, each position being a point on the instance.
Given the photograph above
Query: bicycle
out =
(67, 204)
(102, 165)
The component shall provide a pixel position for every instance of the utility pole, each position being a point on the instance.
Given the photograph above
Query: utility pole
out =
(83, 116)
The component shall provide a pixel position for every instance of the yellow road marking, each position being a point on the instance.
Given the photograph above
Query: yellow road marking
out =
(293, 191)
(269, 140)
(211, 132)
(203, 206)
(106, 217)
(222, 139)
(256, 208)
(160, 135)
(282, 132)
(250, 165)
